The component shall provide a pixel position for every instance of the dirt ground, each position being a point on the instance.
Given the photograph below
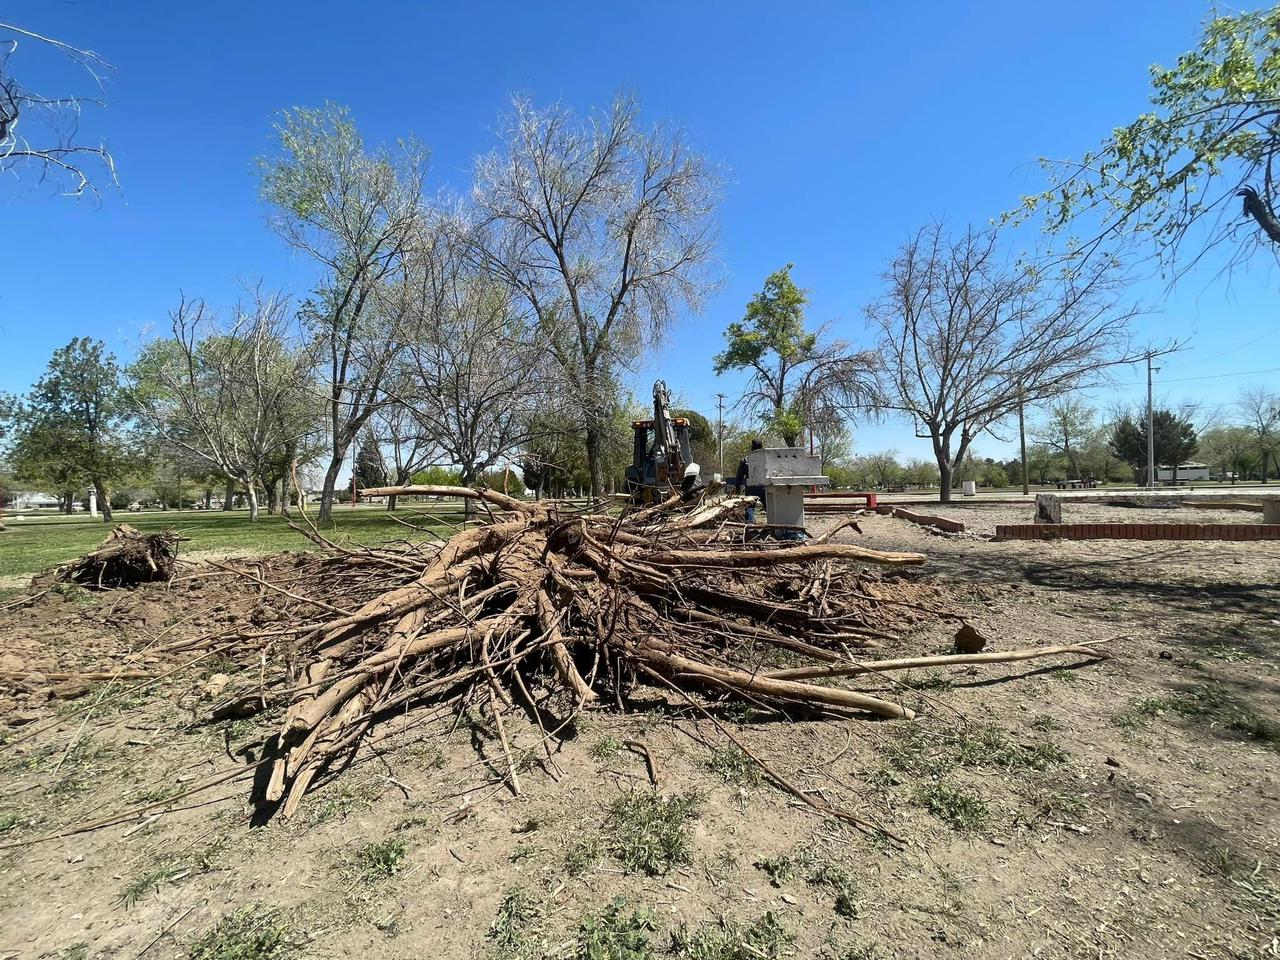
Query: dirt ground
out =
(1055, 808)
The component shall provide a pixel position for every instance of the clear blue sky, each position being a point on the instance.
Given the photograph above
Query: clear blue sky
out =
(843, 126)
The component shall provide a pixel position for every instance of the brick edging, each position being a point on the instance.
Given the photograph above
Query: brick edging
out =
(1139, 531)
(925, 520)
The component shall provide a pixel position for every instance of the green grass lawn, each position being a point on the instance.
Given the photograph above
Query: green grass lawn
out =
(41, 540)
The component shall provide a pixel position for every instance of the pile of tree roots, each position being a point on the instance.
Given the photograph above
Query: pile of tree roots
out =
(126, 558)
(547, 611)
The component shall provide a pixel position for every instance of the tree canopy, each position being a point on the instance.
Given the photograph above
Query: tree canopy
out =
(1210, 140)
(798, 376)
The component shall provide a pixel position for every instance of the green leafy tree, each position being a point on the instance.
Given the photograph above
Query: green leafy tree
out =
(1231, 449)
(1260, 408)
(73, 427)
(1175, 441)
(1210, 138)
(1068, 424)
(357, 213)
(370, 468)
(797, 376)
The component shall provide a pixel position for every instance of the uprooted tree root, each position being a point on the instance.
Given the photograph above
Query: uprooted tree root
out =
(543, 607)
(126, 558)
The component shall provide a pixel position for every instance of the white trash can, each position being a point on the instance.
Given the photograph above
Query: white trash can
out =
(970, 487)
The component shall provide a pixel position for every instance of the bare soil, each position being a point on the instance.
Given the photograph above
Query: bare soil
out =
(1124, 808)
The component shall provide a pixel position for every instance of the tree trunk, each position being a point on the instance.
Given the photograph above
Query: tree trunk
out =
(945, 473)
(251, 494)
(324, 515)
(272, 500)
(595, 457)
(104, 500)
(208, 497)
(285, 498)
(228, 495)
(391, 502)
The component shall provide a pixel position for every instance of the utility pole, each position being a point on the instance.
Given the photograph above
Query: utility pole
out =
(1022, 441)
(720, 435)
(1151, 434)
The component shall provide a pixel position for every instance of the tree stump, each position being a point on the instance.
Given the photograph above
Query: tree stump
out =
(1048, 508)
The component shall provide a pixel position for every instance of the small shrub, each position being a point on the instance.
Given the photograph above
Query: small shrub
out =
(649, 833)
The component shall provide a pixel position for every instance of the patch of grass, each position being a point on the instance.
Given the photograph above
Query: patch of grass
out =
(518, 924)
(582, 857)
(77, 951)
(528, 825)
(170, 868)
(1203, 702)
(935, 681)
(731, 765)
(252, 933)
(725, 939)
(649, 833)
(9, 819)
(934, 751)
(342, 798)
(960, 809)
(380, 860)
(615, 933)
(606, 748)
(46, 539)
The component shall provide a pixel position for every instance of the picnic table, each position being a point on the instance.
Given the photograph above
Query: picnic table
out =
(1077, 484)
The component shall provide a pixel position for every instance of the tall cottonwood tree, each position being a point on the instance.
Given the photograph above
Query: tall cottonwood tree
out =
(605, 229)
(358, 213)
(799, 378)
(475, 366)
(967, 334)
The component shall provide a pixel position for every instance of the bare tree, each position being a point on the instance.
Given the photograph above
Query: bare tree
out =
(966, 335)
(235, 397)
(358, 214)
(605, 230)
(477, 368)
(38, 130)
(1261, 410)
(406, 447)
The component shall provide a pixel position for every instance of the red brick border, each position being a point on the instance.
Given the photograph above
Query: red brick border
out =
(925, 520)
(1138, 531)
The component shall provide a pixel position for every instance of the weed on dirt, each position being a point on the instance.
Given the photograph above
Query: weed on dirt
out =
(649, 833)
(726, 939)
(253, 933)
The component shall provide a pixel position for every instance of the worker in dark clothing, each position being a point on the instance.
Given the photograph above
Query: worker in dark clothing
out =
(740, 481)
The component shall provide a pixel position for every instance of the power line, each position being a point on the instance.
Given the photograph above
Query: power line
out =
(1221, 376)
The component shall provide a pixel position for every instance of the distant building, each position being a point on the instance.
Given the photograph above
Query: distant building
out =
(33, 500)
(1186, 471)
